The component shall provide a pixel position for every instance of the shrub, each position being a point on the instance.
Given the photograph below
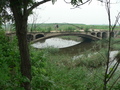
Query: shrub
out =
(51, 50)
(95, 60)
(10, 76)
(40, 79)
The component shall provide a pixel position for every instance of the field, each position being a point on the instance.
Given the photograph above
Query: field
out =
(66, 27)
(48, 27)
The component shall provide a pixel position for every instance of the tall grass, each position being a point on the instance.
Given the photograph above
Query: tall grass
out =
(83, 73)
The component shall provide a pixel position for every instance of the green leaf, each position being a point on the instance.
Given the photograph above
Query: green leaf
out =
(107, 76)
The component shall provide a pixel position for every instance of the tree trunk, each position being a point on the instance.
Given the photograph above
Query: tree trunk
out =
(21, 32)
(21, 18)
(21, 13)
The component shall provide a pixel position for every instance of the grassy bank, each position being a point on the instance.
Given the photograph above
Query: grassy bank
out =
(85, 72)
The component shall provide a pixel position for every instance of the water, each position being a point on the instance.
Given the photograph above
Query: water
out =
(55, 42)
(66, 46)
(73, 48)
(112, 60)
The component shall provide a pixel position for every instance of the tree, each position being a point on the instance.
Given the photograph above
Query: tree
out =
(5, 16)
(20, 10)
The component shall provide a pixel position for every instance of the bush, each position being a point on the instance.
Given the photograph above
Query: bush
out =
(51, 50)
(40, 79)
(95, 60)
(10, 76)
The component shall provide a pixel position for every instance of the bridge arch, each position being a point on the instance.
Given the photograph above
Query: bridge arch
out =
(104, 35)
(98, 34)
(39, 36)
(93, 33)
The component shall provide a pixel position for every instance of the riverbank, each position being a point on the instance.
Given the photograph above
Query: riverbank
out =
(83, 73)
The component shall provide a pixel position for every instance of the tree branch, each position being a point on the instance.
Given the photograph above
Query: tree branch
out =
(116, 21)
(114, 83)
(36, 4)
(80, 4)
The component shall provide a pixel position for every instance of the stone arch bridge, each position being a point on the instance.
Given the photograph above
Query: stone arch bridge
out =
(95, 35)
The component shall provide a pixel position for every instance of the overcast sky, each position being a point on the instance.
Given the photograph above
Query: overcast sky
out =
(60, 12)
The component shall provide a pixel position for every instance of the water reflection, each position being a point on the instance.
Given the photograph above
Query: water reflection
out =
(79, 48)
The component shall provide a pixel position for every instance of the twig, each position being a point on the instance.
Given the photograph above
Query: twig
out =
(114, 82)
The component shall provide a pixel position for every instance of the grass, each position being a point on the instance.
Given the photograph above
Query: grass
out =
(68, 75)
(85, 72)
(116, 44)
(78, 78)
(66, 27)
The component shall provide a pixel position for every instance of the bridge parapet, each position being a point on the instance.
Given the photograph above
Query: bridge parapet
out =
(93, 34)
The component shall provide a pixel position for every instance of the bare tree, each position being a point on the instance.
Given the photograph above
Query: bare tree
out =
(109, 74)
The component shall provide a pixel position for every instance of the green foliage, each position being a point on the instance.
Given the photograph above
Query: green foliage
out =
(51, 50)
(49, 29)
(68, 27)
(10, 76)
(115, 43)
(5, 16)
(86, 30)
(68, 77)
(117, 86)
(40, 79)
(95, 60)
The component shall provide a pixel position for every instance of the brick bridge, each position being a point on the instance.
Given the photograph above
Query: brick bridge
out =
(95, 35)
